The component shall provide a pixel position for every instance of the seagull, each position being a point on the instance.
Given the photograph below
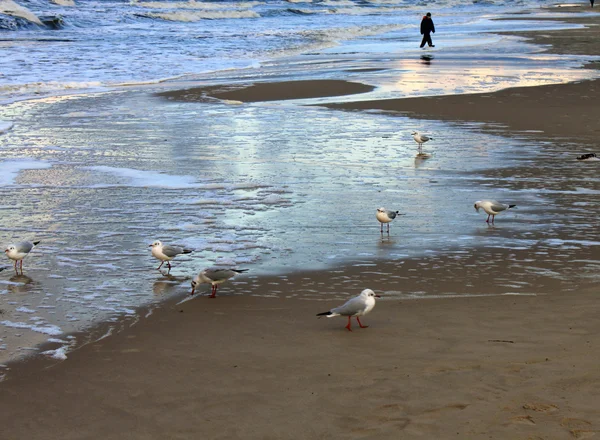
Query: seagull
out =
(492, 208)
(215, 277)
(385, 216)
(165, 252)
(18, 251)
(358, 306)
(420, 139)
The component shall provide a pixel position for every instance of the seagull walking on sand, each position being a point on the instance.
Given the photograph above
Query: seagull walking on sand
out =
(214, 277)
(18, 252)
(492, 208)
(386, 216)
(420, 139)
(165, 252)
(355, 307)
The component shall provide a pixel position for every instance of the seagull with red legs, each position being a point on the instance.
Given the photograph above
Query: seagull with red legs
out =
(355, 307)
(18, 251)
(492, 208)
(214, 276)
(165, 252)
(386, 216)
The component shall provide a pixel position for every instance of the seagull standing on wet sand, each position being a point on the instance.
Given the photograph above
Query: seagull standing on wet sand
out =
(492, 208)
(214, 277)
(165, 252)
(18, 252)
(358, 306)
(420, 139)
(386, 216)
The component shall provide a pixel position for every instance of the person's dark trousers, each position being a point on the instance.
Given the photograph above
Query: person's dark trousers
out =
(426, 39)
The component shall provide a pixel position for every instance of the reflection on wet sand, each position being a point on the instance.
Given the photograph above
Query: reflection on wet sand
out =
(168, 284)
(426, 59)
(20, 284)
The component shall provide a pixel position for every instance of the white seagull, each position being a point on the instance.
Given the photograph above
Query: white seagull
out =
(215, 277)
(18, 251)
(358, 306)
(492, 208)
(165, 252)
(386, 216)
(420, 139)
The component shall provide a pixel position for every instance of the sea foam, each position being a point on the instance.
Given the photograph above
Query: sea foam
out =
(10, 169)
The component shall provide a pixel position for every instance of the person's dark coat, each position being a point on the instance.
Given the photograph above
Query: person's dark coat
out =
(427, 25)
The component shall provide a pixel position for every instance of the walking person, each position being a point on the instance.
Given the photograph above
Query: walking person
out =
(427, 28)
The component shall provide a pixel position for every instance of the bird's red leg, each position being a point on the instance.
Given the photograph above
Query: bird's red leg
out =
(169, 265)
(349, 326)
(213, 291)
(488, 219)
(388, 229)
(158, 268)
(493, 217)
(16, 270)
(360, 323)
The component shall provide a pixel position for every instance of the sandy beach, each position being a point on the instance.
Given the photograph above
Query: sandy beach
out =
(487, 366)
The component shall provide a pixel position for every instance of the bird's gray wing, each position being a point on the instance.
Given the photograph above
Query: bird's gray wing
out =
(424, 138)
(497, 206)
(351, 307)
(172, 251)
(219, 274)
(391, 214)
(24, 246)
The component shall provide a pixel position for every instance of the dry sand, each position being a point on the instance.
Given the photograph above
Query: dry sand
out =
(239, 367)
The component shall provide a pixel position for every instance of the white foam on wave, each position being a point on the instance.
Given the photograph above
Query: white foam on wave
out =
(42, 89)
(195, 5)
(186, 16)
(10, 169)
(47, 329)
(63, 2)
(149, 179)
(59, 353)
(9, 7)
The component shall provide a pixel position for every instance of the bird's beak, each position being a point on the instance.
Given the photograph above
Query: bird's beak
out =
(377, 296)
(149, 245)
(6, 250)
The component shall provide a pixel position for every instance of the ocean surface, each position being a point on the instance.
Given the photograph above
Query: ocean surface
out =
(97, 166)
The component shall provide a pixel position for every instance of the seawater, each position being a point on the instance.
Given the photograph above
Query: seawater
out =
(96, 165)
(100, 44)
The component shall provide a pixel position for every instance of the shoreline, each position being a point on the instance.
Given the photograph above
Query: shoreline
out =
(499, 366)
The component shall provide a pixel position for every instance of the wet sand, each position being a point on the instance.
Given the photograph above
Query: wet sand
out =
(491, 366)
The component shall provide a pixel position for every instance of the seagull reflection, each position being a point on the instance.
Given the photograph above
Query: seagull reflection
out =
(167, 284)
(385, 240)
(20, 284)
(421, 158)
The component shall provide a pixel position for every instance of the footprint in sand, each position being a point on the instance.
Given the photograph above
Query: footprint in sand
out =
(525, 420)
(578, 428)
(541, 407)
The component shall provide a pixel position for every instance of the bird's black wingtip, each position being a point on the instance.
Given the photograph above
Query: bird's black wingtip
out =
(35, 243)
(324, 313)
(511, 206)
